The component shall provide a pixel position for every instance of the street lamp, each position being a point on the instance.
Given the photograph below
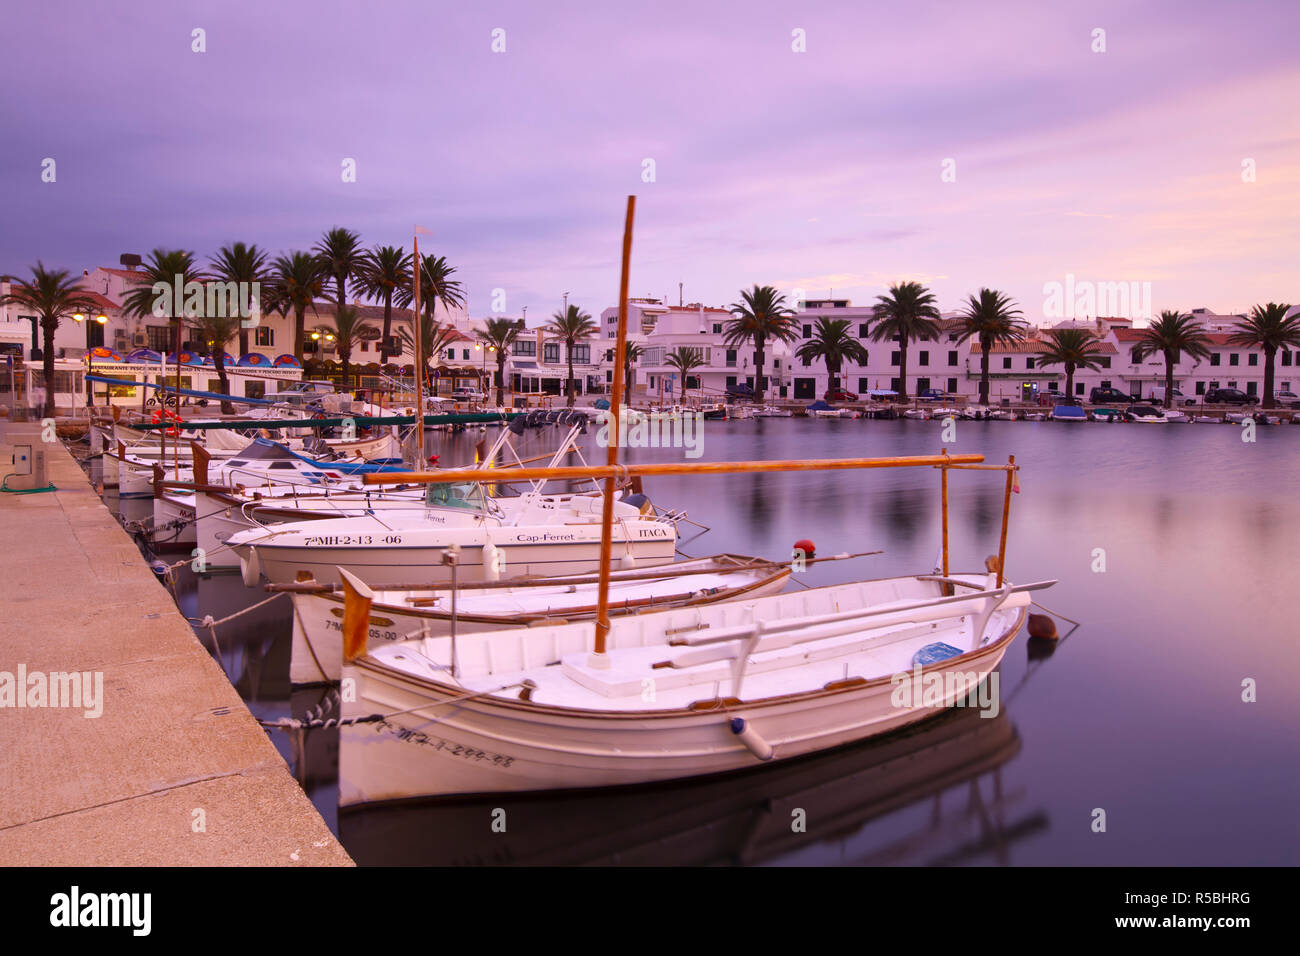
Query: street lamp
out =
(102, 319)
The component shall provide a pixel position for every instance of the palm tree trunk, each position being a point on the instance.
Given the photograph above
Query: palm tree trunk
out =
(226, 407)
(501, 373)
(299, 330)
(985, 347)
(243, 344)
(1269, 355)
(902, 371)
(388, 327)
(569, 350)
(47, 365)
(1169, 381)
(760, 359)
(1069, 380)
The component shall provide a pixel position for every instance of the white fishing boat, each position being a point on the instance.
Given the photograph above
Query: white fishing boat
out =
(772, 411)
(974, 411)
(397, 615)
(682, 693)
(918, 414)
(398, 547)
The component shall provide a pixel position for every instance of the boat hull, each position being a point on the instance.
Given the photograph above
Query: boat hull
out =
(422, 747)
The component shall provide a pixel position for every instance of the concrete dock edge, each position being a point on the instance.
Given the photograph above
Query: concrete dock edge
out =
(175, 771)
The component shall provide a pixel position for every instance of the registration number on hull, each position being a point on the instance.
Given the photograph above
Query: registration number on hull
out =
(335, 540)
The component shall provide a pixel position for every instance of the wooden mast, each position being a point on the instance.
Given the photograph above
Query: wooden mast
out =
(643, 469)
(419, 360)
(611, 455)
(1006, 513)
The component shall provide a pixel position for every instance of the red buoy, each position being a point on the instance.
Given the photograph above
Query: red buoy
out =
(807, 547)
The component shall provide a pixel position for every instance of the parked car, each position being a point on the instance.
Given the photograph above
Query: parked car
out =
(740, 390)
(1158, 397)
(1287, 399)
(466, 395)
(840, 395)
(1229, 396)
(934, 395)
(1103, 396)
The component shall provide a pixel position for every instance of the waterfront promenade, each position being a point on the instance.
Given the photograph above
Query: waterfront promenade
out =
(175, 771)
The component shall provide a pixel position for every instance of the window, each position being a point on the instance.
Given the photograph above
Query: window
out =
(1006, 362)
(731, 381)
(923, 358)
(1078, 388)
(1234, 359)
(254, 388)
(451, 354)
(952, 386)
(465, 354)
(1252, 388)
(807, 331)
(1254, 358)
(895, 358)
(609, 355)
(952, 356)
(1029, 363)
(551, 352)
(731, 358)
(265, 337)
(529, 347)
(717, 328)
(922, 384)
(863, 387)
(1286, 357)
(863, 329)
(1135, 356)
(1051, 386)
(1104, 362)
(776, 363)
(1200, 388)
(1216, 358)
(581, 354)
(160, 337)
(896, 384)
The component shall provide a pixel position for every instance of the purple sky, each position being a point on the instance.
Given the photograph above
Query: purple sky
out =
(812, 170)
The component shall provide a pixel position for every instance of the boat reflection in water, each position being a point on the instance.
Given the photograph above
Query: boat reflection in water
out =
(745, 818)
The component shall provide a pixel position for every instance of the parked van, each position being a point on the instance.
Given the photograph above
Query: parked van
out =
(1158, 396)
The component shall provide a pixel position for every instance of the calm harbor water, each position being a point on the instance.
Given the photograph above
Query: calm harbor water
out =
(1175, 547)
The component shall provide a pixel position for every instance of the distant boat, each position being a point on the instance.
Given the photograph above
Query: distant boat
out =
(1069, 413)
(1146, 414)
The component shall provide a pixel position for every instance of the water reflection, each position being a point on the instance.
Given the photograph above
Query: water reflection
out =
(949, 767)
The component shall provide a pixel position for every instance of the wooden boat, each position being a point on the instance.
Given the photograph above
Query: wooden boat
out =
(397, 615)
(684, 693)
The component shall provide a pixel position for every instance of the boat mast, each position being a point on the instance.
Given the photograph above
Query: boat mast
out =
(598, 658)
(419, 362)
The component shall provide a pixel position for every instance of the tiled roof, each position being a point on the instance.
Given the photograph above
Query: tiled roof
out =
(1133, 336)
(101, 301)
(136, 275)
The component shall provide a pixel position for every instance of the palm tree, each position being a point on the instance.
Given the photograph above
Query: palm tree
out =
(1267, 328)
(760, 316)
(296, 281)
(992, 318)
(437, 285)
(832, 343)
(339, 252)
(52, 295)
(632, 353)
(348, 329)
(569, 327)
(434, 338)
(241, 263)
(908, 312)
(384, 273)
(499, 335)
(1172, 334)
(214, 331)
(685, 360)
(1073, 348)
(166, 267)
